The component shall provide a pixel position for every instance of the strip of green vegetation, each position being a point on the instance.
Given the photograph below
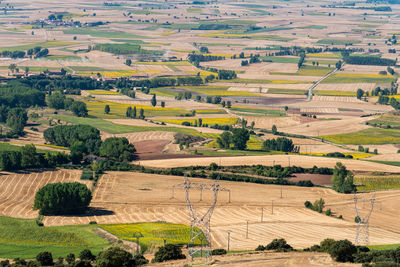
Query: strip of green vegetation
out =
(235, 153)
(386, 120)
(372, 136)
(10, 147)
(358, 78)
(154, 233)
(266, 112)
(392, 163)
(114, 128)
(293, 60)
(377, 183)
(64, 58)
(122, 49)
(104, 34)
(89, 68)
(287, 91)
(383, 247)
(129, 41)
(338, 42)
(25, 239)
(33, 45)
(307, 71)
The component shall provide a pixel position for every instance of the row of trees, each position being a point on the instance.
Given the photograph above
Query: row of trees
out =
(33, 52)
(280, 144)
(369, 60)
(57, 100)
(238, 138)
(15, 118)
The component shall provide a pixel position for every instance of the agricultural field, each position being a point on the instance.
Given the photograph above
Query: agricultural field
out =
(224, 65)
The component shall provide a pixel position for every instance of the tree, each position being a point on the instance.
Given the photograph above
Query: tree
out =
(225, 140)
(107, 109)
(62, 198)
(45, 258)
(56, 100)
(12, 67)
(86, 255)
(360, 93)
(128, 112)
(52, 17)
(26, 70)
(16, 120)
(128, 62)
(134, 112)
(318, 205)
(154, 100)
(239, 138)
(342, 180)
(79, 109)
(117, 148)
(274, 129)
(228, 104)
(141, 116)
(342, 251)
(168, 252)
(114, 257)
(279, 245)
(29, 157)
(70, 258)
(162, 104)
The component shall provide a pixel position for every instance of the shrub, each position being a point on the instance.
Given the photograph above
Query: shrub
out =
(328, 212)
(114, 257)
(279, 245)
(326, 244)
(308, 204)
(87, 255)
(62, 198)
(45, 258)
(219, 251)
(342, 251)
(260, 248)
(168, 252)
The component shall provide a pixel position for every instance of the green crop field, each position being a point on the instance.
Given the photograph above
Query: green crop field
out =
(209, 121)
(334, 93)
(104, 34)
(307, 71)
(194, 10)
(265, 112)
(337, 41)
(41, 44)
(24, 239)
(377, 183)
(293, 60)
(383, 247)
(114, 128)
(154, 233)
(287, 91)
(359, 78)
(64, 58)
(216, 90)
(388, 119)
(372, 136)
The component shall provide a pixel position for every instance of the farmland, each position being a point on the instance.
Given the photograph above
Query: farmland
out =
(149, 86)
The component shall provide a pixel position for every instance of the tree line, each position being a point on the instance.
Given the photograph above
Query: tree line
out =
(33, 52)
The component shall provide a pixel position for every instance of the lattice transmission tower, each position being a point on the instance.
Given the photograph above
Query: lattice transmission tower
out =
(200, 222)
(362, 234)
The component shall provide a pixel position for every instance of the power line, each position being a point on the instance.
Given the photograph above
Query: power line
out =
(362, 233)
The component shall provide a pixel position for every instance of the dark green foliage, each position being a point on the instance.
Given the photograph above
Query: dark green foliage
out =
(16, 120)
(87, 255)
(240, 137)
(308, 204)
(27, 157)
(82, 263)
(107, 109)
(326, 244)
(121, 49)
(62, 198)
(342, 180)
(225, 140)
(79, 109)
(274, 129)
(68, 135)
(203, 58)
(45, 258)
(168, 252)
(279, 245)
(280, 144)
(114, 257)
(318, 205)
(342, 251)
(117, 148)
(369, 60)
(260, 248)
(154, 101)
(360, 93)
(56, 100)
(219, 251)
(70, 258)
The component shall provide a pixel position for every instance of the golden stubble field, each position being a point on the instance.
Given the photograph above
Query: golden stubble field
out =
(127, 197)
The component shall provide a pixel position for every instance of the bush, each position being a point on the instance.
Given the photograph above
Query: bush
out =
(168, 252)
(308, 204)
(87, 255)
(326, 244)
(62, 198)
(115, 257)
(260, 248)
(342, 251)
(45, 258)
(219, 251)
(279, 245)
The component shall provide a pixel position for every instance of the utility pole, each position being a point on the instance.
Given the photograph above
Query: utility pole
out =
(229, 238)
(272, 208)
(247, 229)
(262, 214)
(281, 191)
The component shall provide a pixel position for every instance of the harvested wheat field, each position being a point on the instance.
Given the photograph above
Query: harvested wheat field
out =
(125, 197)
(18, 189)
(284, 160)
(273, 259)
